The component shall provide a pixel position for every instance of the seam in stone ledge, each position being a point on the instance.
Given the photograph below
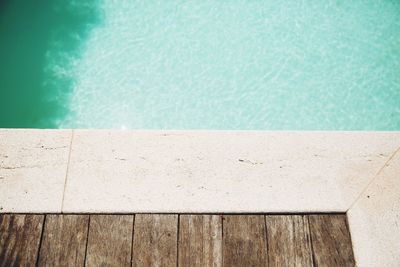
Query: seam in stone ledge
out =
(66, 173)
(374, 178)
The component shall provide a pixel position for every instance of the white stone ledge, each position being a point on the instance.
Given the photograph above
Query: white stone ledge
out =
(188, 171)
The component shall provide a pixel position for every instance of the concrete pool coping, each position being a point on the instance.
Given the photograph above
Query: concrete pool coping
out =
(134, 171)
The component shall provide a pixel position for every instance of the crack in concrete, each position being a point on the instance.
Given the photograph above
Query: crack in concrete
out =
(19, 167)
(52, 148)
(249, 161)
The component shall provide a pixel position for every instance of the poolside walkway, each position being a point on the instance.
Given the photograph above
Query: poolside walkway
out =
(175, 240)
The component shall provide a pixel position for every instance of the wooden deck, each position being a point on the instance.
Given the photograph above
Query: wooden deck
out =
(175, 240)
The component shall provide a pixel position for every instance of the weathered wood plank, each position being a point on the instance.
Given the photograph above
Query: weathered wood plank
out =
(244, 240)
(331, 241)
(110, 240)
(20, 239)
(64, 240)
(288, 240)
(155, 240)
(200, 240)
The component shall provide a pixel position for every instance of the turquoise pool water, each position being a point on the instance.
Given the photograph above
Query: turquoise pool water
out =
(265, 65)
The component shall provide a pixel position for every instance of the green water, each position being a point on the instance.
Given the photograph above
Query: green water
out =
(263, 65)
(34, 37)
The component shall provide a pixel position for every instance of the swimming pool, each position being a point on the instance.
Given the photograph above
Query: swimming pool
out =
(264, 65)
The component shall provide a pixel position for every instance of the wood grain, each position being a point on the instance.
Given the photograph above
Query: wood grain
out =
(288, 240)
(19, 239)
(200, 240)
(331, 241)
(64, 240)
(244, 240)
(110, 240)
(155, 240)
